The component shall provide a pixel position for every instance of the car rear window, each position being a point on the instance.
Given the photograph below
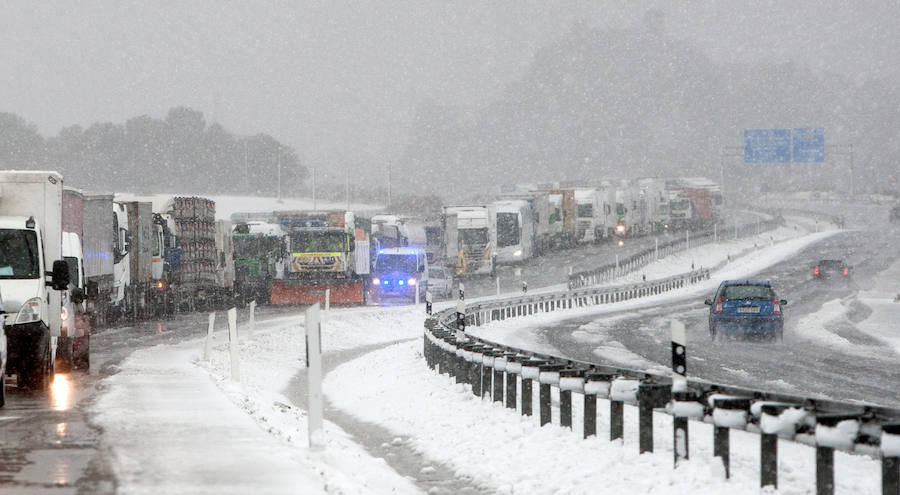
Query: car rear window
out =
(752, 292)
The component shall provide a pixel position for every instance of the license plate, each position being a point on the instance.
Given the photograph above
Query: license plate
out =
(748, 309)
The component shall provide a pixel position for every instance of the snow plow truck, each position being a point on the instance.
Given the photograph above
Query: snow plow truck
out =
(324, 251)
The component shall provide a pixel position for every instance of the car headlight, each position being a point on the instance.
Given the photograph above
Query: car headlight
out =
(412, 281)
(517, 253)
(376, 281)
(30, 311)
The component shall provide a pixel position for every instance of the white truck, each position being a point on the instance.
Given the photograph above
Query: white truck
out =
(512, 231)
(595, 219)
(30, 244)
(467, 239)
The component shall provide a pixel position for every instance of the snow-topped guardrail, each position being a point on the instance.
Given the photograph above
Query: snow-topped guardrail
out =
(508, 375)
(660, 250)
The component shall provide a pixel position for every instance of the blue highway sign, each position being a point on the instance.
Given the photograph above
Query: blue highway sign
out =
(809, 145)
(767, 146)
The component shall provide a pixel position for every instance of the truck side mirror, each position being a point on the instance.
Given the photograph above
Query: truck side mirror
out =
(59, 277)
(77, 295)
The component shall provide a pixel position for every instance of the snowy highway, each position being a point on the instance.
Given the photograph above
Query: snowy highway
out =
(111, 431)
(823, 352)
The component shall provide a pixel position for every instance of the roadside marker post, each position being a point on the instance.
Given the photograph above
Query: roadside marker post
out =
(314, 377)
(233, 345)
(428, 301)
(679, 386)
(207, 348)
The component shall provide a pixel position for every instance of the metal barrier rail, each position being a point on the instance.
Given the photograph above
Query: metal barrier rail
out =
(499, 372)
(610, 271)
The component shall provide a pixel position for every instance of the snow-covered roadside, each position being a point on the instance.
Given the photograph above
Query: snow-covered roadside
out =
(167, 396)
(884, 301)
(508, 453)
(176, 424)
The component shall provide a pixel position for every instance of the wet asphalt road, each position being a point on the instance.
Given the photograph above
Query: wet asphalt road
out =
(47, 442)
(865, 370)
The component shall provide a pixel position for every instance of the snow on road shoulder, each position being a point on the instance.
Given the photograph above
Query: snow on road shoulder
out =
(884, 301)
(508, 453)
(241, 437)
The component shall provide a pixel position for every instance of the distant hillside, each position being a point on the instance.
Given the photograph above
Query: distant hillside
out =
(612, 102)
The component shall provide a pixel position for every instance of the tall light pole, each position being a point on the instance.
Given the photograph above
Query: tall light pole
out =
(389, 186)
(347, 187)
(314, 188)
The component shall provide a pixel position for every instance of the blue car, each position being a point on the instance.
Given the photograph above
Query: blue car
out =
(746, 308)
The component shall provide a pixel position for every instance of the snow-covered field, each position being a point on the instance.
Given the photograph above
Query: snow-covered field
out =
(175, 423)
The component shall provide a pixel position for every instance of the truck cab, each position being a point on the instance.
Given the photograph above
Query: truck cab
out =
(30, 243)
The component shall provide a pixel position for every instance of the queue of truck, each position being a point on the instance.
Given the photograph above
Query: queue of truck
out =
(72, 261)
(531, 220)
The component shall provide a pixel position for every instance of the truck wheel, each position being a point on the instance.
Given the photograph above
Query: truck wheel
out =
(82, 359)
(40, 376)
(64, 354)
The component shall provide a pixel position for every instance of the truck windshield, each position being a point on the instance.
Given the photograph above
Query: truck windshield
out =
(319, 242)
(473, 237)
(246, 246)
(585, 210)
(507, 229)
(18, 254)
(404, 263)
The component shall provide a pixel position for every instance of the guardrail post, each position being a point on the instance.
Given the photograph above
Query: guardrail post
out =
(475, 368)
(596, 385)
(513, 370)
(890, 459)
(570, 380)
(549, 376)
(530, 371)
(684, 407)
(487, 375)
(650, 396)
(499, 371)
(728, 412)
(768, 448)
(824, 470)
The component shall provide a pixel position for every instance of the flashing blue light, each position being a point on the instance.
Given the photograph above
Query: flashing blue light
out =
(386, 282)
(400, 282)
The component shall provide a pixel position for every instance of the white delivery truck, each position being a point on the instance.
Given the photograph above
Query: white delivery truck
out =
(512, 231)
(30, 244)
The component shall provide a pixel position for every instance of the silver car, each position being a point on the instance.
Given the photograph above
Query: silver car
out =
(440, 281)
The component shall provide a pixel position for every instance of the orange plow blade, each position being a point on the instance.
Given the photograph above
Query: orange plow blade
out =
(295, 292)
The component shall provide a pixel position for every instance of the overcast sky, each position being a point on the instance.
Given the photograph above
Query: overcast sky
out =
(340, 81)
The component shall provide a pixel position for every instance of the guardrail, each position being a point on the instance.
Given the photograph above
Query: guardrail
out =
(500, 373)
(610, 271)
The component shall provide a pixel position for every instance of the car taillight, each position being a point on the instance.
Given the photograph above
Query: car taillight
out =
(816, 271)
(846, 271)
(718, 310)
(776, 309)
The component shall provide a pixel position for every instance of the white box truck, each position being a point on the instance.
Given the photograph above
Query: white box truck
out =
(32, 272)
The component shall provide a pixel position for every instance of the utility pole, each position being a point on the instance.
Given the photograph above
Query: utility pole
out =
(314, 188)
(347, 187)
(389, 186)
(278, 157)
(246, 166)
